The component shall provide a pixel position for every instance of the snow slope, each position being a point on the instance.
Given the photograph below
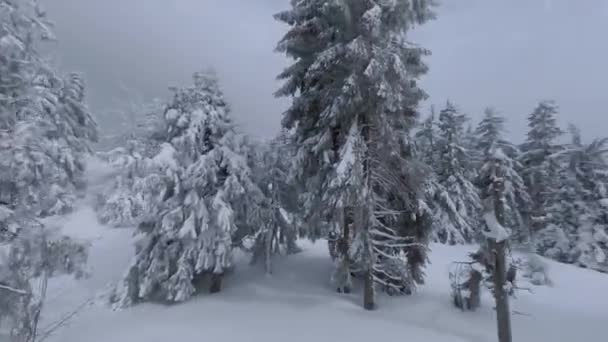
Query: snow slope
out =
(296, 303)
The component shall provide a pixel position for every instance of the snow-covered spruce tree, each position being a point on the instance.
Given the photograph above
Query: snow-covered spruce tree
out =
(474, 157)
(271, 167)
(457, 193)
(404, 225)
(565, 209)
(134, 119)
(591, 248)
(45, 132)
(142, 174)
(489, 132)
(192, 233)
(45, 127)
(578, 208)
(426, 139)
(517, 200)
(74, 120)
(139, 184)
(538, 170)
(354, 82)
(447, 220)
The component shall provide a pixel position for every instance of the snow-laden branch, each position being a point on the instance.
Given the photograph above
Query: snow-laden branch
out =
(496, 230)
(14, 290)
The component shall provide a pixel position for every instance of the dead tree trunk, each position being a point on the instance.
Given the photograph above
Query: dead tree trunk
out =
(498, 252)
(503, 313)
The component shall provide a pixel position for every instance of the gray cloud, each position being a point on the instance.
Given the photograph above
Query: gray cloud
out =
(508, 54)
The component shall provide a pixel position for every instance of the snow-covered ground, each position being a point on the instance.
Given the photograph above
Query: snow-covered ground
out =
(297, 303)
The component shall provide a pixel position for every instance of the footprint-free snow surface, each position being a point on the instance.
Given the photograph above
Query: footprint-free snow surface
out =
(296, 303)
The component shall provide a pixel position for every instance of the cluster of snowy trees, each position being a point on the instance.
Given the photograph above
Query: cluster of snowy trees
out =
(344, 166)
(45, 134)
(197, 189)
(353, 164)
(555, 192)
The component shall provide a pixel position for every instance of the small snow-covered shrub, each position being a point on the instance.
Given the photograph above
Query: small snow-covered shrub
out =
(536, 270)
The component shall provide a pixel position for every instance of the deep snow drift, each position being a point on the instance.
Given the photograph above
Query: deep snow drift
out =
(296, 303)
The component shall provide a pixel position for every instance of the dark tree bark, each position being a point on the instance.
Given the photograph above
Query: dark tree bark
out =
(361, 220)
(216, 283)
(369, 302)
(498, 251)
(473, 284)
(503, 313)
(345, 249)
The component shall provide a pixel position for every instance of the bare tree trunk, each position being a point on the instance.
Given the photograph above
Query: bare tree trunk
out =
(503, 313)
(365, 218)
(369, 300)
(498, 252)
(268, 250)
(216, 283)
(345, 250)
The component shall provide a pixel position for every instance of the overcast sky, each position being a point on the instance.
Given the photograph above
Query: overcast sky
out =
(505, 53)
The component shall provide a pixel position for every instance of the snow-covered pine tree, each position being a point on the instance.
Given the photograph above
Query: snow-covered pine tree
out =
(75, 122)
(591, 248)
(578, 208)
(489, 131)
(45, 132)
(565, 207)
(45, 126)
(517, 200)
(456, 192)
(136, 119)
(404, 225)
(142, 173)
(538, 169)
(426, 139)
(271, 168)
(354, 82)
(142, 178)
(191, 236)
(474, 158)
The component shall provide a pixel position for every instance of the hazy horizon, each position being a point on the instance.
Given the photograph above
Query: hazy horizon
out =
(508, 55)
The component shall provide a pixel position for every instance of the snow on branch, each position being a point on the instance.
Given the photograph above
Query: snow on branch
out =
(14, 290)
(495, 231)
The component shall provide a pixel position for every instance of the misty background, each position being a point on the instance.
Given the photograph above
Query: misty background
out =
(508, 54)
